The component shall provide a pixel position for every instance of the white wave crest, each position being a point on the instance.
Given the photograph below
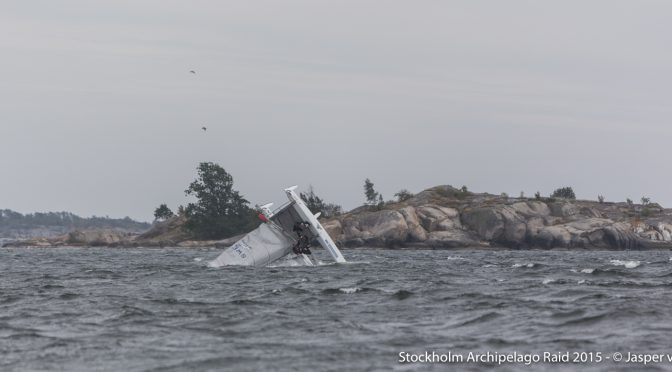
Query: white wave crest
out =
(350, 290)
(529, 265)
(451, 258)
(548, 281)
(587, 271)
(627, 264)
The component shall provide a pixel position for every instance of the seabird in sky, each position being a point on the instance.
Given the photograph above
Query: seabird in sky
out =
(204, 128)
(192, 71)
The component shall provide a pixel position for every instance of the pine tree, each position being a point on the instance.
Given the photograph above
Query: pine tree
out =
(372, 197)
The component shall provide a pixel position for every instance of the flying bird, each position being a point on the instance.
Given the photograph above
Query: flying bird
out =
(192, 71)
(204, 128)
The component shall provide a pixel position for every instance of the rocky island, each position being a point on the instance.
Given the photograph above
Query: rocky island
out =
(445, 217)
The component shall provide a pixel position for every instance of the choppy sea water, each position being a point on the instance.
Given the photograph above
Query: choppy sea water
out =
(74, 309)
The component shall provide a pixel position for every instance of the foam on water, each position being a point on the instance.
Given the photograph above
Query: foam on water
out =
(350, 290)
(453, 258)
(629, 264)
(346, 263)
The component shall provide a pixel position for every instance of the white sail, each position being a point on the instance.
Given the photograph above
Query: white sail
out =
(260, 247)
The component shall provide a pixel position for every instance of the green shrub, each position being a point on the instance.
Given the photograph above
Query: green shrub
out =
(564, 192)
(403, 195)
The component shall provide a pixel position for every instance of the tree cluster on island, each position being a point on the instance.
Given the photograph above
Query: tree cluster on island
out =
(11, 220)
(220, 211)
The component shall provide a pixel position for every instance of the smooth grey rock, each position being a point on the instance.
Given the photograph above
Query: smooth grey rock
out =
(485, 221)
(563, 209)
(388, 227)
(416, 232)
(333, 228)
(451, 239)
(531, 209)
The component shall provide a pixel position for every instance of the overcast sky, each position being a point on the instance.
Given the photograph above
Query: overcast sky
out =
(99, 114)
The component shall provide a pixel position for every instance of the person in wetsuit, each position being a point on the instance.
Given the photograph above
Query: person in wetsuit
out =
(302, 246)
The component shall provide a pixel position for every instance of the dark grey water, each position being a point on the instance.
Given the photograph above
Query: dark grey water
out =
(161, 309)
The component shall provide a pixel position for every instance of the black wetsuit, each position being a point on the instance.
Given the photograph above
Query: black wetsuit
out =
(302, 246)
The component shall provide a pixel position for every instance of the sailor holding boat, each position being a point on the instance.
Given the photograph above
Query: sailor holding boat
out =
(302, 245)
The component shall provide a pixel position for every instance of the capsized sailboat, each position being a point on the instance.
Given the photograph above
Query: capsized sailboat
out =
(275, 237)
